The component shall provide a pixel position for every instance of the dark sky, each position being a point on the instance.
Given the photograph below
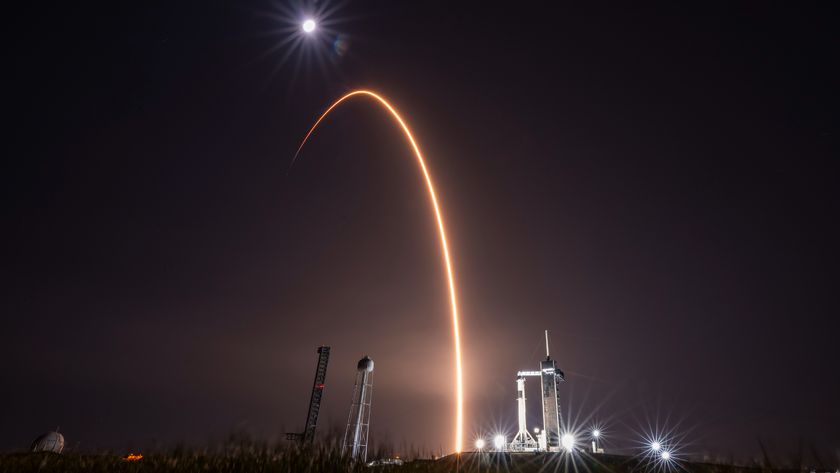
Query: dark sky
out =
(656, 185)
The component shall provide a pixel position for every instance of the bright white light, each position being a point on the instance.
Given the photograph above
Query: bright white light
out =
(479, 444)
(499, 442)
(536, 430)
(655, 446)
(666, 455)
(309, 26)
(596, 433)
(568, 442)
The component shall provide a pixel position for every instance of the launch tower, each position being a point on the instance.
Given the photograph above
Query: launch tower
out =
(550, 377)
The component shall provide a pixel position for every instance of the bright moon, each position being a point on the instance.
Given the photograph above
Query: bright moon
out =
(309, 26)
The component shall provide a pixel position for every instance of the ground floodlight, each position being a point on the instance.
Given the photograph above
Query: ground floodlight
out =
(568, 442)
(656, 446)
(479, 444)
(499, 442)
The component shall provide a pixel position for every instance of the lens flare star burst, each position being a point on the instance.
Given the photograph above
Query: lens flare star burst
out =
(308, 35)
(308, 26)
(450, 275)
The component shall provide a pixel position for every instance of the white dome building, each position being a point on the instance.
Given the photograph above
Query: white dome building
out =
(49, 442)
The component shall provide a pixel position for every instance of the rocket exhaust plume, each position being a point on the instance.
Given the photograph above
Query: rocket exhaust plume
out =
(459, 385)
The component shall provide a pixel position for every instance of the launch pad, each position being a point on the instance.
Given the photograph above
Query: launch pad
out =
(549, 439)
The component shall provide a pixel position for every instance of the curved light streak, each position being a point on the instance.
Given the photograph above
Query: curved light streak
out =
(459, 384)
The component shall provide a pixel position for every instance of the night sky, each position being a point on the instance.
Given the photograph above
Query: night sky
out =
(655, 185)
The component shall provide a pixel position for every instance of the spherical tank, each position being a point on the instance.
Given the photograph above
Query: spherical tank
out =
(365, 364)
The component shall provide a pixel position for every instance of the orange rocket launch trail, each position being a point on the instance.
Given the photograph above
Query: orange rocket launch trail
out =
(450, 276)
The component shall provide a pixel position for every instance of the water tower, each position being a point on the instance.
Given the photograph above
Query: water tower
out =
(356, 435)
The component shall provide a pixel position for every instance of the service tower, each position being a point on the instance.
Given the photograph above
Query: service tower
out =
(551, 377)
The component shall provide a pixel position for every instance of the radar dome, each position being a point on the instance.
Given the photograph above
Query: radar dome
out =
(365, 364)
(49, 442)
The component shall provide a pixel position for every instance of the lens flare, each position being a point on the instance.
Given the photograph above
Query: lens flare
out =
(459, 385)
(568, 442)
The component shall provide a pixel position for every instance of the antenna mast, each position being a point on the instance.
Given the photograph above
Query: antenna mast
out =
(546, 345)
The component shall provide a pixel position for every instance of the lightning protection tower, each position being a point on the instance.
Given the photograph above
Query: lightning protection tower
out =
(308, 434)
(551, 377)
(356, 435)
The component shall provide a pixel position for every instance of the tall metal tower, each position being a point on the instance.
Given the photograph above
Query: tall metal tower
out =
(308, 434)
(356, 435)
(551, 377)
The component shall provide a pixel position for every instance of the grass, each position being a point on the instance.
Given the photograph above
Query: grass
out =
(232, 459)
(252, 457)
